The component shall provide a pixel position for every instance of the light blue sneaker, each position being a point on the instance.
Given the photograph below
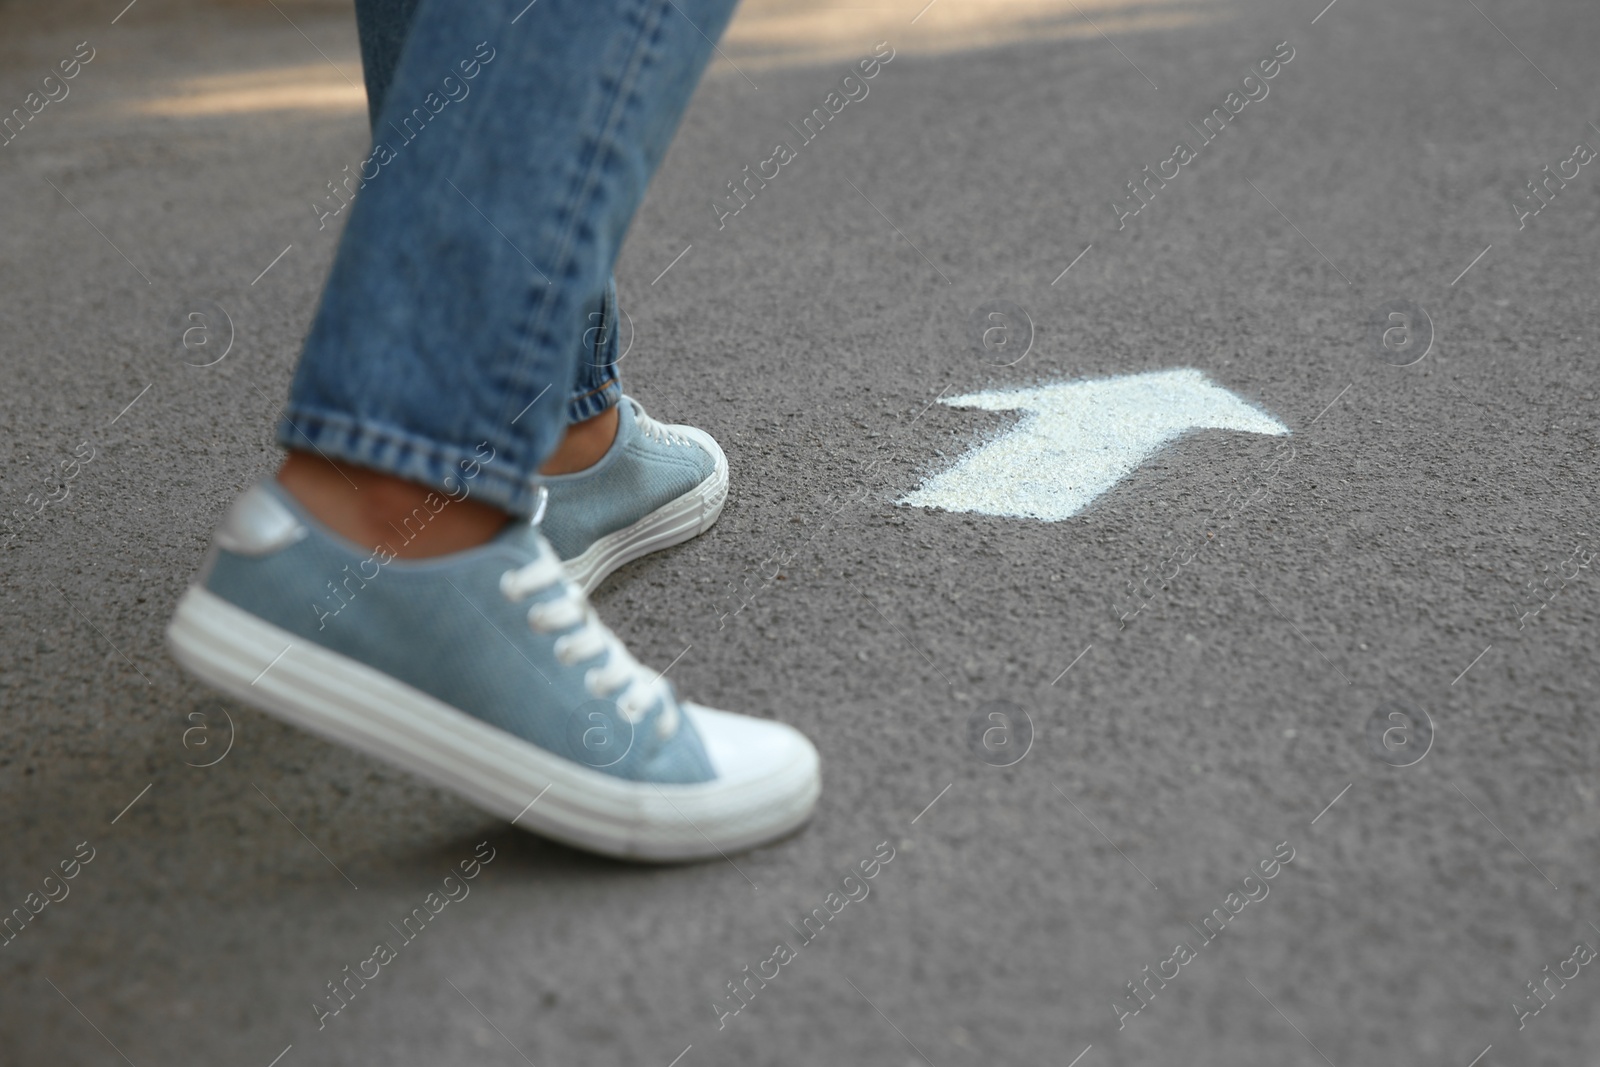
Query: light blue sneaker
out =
(657, 486)
(485, 672)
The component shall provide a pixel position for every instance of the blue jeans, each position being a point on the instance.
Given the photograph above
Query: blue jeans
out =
(471, 311)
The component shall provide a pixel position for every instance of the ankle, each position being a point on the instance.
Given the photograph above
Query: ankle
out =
(584, 444)
(378, 510)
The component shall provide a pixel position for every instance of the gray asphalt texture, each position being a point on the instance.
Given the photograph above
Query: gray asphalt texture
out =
(1396, 559)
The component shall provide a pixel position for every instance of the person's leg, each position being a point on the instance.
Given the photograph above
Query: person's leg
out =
(591, 411)
(502, 182)
(509, 159)
(382, 27)
(615, 500)
(592, 403)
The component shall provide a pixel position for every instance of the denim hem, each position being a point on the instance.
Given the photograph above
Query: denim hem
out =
(588, 405)
(446, 467)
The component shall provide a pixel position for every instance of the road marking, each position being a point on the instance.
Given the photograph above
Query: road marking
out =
(1079, 439)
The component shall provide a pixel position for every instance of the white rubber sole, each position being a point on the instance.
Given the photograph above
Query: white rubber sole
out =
(768, 777)
(675, 522)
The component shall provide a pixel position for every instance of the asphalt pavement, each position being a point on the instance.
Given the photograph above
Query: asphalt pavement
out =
(1359, 655)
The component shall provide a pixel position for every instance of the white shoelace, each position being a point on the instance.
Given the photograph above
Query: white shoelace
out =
(653, 429)
(634, 687)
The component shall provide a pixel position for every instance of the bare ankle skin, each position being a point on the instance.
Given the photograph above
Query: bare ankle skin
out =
(584, 444)
(373, 509)
(379, 510)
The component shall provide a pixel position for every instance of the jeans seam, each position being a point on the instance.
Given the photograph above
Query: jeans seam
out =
(626, 80)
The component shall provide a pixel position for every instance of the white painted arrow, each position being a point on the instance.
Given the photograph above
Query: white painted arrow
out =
(1078, 439)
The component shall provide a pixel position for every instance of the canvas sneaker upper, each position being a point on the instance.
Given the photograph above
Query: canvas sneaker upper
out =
(649, 466)
(499, 632)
